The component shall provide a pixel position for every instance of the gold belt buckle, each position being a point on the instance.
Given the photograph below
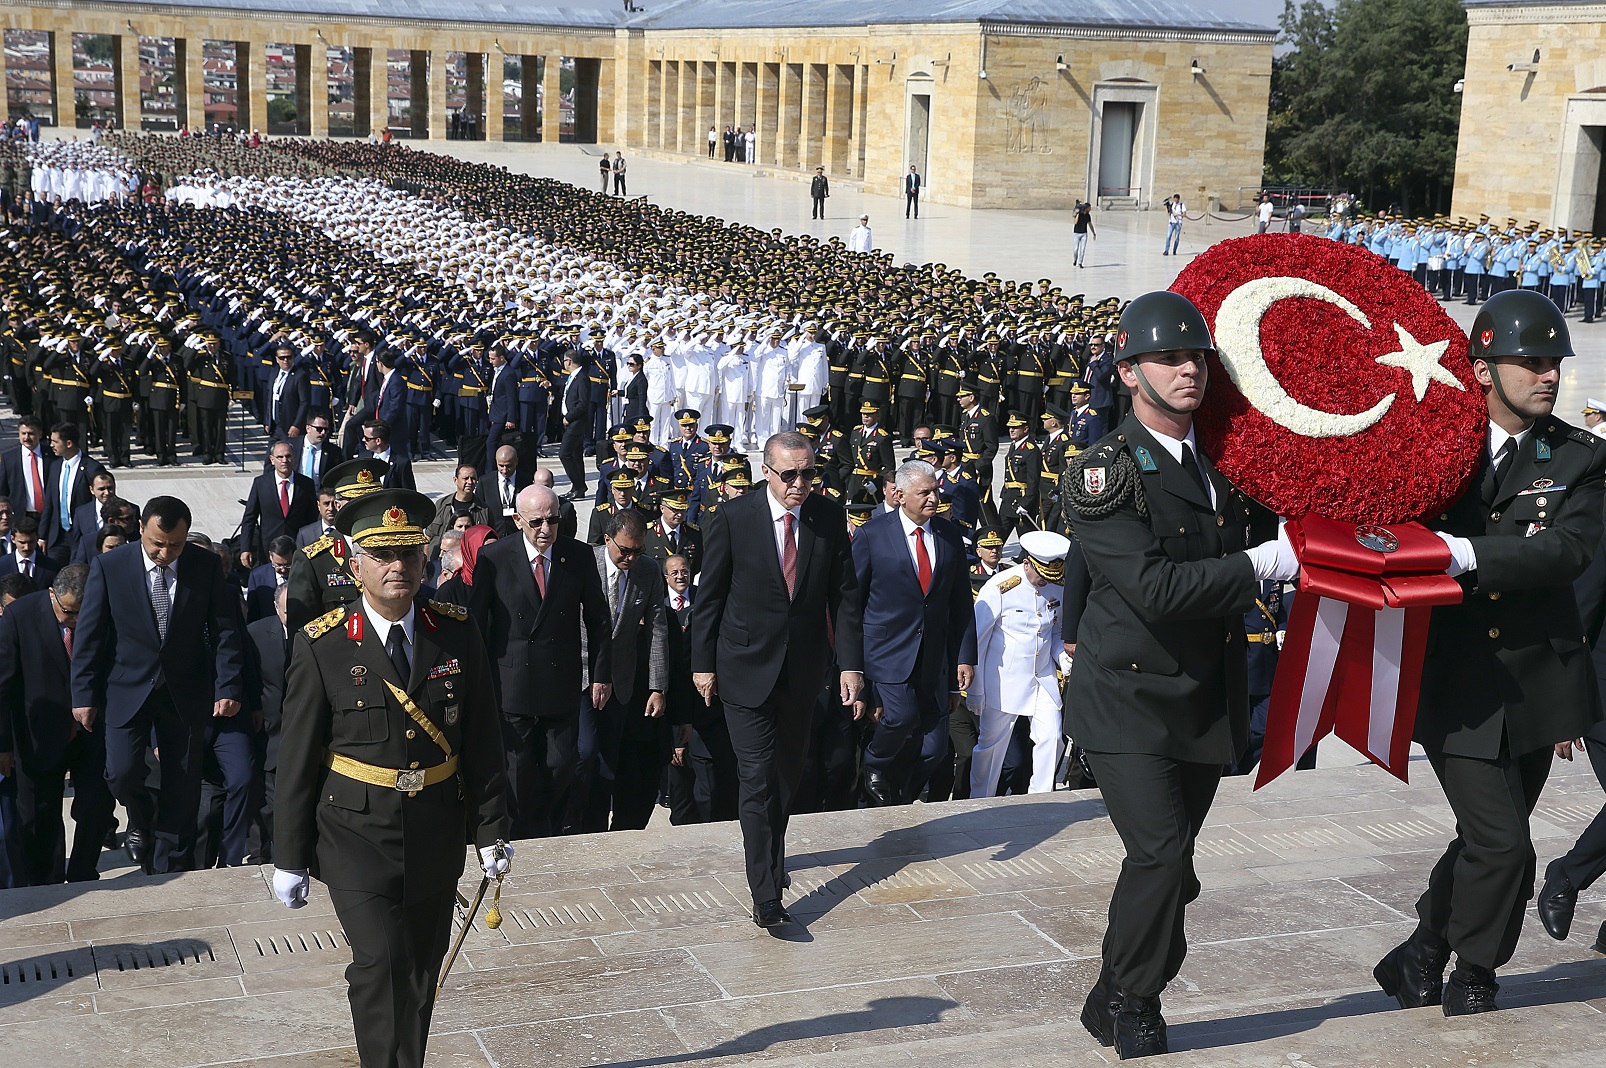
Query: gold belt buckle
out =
(410, 781)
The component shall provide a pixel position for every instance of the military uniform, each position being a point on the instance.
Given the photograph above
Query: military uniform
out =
(1017, 505)
(322, 574)
(870, 450)
(384, 775)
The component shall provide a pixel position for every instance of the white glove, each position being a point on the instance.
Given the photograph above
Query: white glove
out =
(1065, 662)
(290, 887)
(1462, 556)
(1274, 561)
(493, 865)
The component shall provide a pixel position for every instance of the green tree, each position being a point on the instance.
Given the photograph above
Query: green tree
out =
(1363, 98)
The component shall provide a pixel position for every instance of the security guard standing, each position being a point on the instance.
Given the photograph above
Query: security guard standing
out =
(390, 759)
(1507, 679)
(322, 573)
(1157, 695)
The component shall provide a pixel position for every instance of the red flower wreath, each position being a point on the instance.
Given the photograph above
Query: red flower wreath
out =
(1341, 387)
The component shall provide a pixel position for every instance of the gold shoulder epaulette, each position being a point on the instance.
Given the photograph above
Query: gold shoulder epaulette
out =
(325, 623)
(321, 545)
(1008, 584)
(449, 610)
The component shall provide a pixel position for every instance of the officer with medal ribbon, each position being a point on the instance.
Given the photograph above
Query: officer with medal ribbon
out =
(1157, 695)
(1507, 680)
(321, 573)
(390, 759)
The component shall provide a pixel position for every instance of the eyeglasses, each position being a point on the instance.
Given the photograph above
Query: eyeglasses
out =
(321, 427)
(386, 557)
(541, 520)
(792, 474)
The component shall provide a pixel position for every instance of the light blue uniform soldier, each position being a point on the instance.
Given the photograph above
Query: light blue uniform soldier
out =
(1532, 260)
(1589, 284)
(1563, 276)
(1478, 248)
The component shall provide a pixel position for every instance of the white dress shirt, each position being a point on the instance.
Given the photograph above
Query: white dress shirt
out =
(909, 528)
(777, 510)
(150, 576)
(1498, 438)
(64, 484)
(530, 553)
(1174, 447)
(382, 627)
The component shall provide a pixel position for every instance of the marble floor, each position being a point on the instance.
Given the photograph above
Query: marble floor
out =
(960, 934)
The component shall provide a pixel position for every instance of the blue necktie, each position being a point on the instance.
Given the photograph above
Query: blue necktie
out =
(66, 500)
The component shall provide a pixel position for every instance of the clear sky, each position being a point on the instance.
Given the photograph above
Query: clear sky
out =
(1265, 12)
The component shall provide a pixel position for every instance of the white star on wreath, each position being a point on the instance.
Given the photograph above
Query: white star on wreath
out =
(1422, 361)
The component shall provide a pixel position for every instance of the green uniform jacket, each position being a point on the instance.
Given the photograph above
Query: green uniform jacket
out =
(319, 580)
(1160, 661)
(374, 839)
(1512, 658)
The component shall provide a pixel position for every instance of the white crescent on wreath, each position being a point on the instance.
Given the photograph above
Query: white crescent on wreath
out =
(1238, 346)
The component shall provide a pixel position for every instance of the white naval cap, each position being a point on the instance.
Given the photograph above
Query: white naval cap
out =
(1594, 406)
(1047, 550)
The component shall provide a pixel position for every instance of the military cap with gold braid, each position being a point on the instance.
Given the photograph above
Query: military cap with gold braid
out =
(990, 538)
(387, 519)
(1046, 550)
(355, 478)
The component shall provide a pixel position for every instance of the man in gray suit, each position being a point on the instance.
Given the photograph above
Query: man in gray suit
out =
(625, 744)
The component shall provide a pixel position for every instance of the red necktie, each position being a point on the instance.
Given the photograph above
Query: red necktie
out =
(66, 639)
(922, 561)
(284, 497)
(540, 575)
(789, 556)
(38, 483)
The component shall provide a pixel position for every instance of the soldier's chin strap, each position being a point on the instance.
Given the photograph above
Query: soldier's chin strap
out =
(1149, 391)
(1498, 386)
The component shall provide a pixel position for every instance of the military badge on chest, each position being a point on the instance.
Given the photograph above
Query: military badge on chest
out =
(1094, 481)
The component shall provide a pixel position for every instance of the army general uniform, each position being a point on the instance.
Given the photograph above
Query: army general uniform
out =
(390, 762)
(1157, 695)
(322, 574)
(1507, 675)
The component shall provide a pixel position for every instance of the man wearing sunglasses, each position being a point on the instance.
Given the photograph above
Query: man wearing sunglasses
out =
(777, 598)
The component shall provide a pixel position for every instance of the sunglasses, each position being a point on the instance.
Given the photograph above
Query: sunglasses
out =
(792, 474)
(541, 520)
(626, 550)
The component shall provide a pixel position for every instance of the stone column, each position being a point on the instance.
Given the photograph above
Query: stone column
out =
(814, 115)
(315, 120)
(190, 62)
(669, 123)
(745, 113)
(418, 92)
(551, 91)
(125, 80)
(438, 124)
(493, 119)
(707, 105)
(258, 57)
(767, 113)
(604, 71)
(839, 119)
(655, 103)
(475, 90)
(861, 115)
(61, 69)
(378, 83)
(789, 145)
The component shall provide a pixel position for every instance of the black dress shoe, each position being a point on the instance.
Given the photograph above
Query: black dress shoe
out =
(1471, 989)
(141, 848)
(1557, 898)
(1103, 1002)
(786, 881)
(1600, 940)
(878, 790)
(771, 914)
(1139, 1028)
(1413, 971)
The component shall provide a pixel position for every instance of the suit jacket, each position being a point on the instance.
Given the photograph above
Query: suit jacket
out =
(746, 629)
(294, 401)
(682, 702)
(534, 642)
(260, 586)
(1159, 665)
(640, 629)
(50, 528)
(14, 478)
(912, 636)
(503, 397)
(44, 568)
(1509, 662)
(576, 400)
(85, 526)
(391, 405)
(118, 655)
(400, 475)
(310, 533)
(332, 457)
(262, 521)
(376, 839)
(35, 693)
(488, 495)
(268, 650)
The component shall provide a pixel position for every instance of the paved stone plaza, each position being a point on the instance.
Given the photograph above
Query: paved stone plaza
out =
(960, 934)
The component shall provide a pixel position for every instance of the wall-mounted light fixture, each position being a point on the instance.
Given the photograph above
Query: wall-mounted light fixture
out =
(1060, 64)
(894, 58)
(1525, 68)
(1196, 70)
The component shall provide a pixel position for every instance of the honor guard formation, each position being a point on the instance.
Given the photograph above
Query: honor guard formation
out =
(856, 533)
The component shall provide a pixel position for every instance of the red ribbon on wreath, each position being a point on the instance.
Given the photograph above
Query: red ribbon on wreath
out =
(1340, 396)
(1352, 660)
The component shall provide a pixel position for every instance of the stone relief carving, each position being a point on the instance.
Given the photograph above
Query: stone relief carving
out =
(1026, 118)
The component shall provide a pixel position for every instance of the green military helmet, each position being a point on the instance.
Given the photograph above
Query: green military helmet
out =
(1162, 321)
(1519, 322)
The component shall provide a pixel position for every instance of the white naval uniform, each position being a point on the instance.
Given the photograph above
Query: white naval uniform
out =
(660, 397)
(1017, 639)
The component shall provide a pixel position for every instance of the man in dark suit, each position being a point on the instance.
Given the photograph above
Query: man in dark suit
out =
(26, 557)
(328, 507)
(25, 470)
(502, 404)
(623, 744)
(498, 492)
(158, 650)
(911, 192)
(264, 581)
(702, 772)
(288, 396)
(920, 634)
(761, 639)
(70, 478)
(315, 453)
(377, 442)
(1157, 694)
(268, 650)
(39, 742)
(532, 594)
(390, 408)
(575, 404)
(1505, 682)
(280, 502)
(92, 516)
